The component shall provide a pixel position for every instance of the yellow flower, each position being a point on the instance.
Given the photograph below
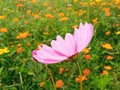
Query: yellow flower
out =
(4, 50)
(118, 32)
(97, 1)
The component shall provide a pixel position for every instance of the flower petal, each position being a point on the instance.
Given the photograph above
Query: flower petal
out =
(59, 46)
(47, 52)
(70, 44)
(83, 35)
(45, 61)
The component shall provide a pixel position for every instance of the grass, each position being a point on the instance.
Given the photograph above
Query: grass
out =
(39, 21)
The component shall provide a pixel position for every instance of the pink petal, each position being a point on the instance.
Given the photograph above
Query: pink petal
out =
(70, 44)
(45, 61)
(60, 46)
(47, 52)
(83, 35)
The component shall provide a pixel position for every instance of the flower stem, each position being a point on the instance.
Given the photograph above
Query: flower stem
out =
(80, 71)
(51, 77)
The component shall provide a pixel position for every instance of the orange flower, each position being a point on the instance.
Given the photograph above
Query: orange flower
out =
(33, 1)
(109, 57)
(2, 17)
(61, 14)
(117, 24)
(59, 83)
(19, 45)
(19, 5)
(106, 9)
(3, 30)
(19, 50)
(105, 72)
(107, 46)
(75, 26)
(86, 72)
(35, 15)
(63, 19)
(108, 33)
(61, 70)
(80, 79)
(86, 50)
(87, 56)
(117, 2)
(95, 20)
(49, 16)
(23, 35)
(28, 44)
(108, 67)
(42, 84)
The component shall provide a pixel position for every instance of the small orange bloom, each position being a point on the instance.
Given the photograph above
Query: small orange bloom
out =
(42, 84)
(28, 44)
(86, 72)
(80, 79)
(19, 45)
(109, 57)
(2, 17)
(61, 70)
(108, 33)
(105, 72)
(108, 67)
(59, 83)
(35, 15)
(117, 24)
(107, 46)
(3, 30)
(87, 56)
(95, 20)
(64, 19)
(19, 5)
(33, 1)
(61, 14)
(49, 16)
(75, 26)
(23, 35)
(19, 50)
(86, 50)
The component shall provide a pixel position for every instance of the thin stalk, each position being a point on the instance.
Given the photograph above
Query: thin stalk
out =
(51, 77)
(80, 71)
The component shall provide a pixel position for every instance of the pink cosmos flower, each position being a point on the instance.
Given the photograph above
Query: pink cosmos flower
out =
(62, 49)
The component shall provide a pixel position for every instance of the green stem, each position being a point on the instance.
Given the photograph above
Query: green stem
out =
(51, 77)
(80, 71)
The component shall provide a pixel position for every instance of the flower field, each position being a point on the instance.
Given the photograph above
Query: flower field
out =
(27, 25)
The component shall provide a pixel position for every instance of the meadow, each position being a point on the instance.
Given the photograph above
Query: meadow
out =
(27, 24)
